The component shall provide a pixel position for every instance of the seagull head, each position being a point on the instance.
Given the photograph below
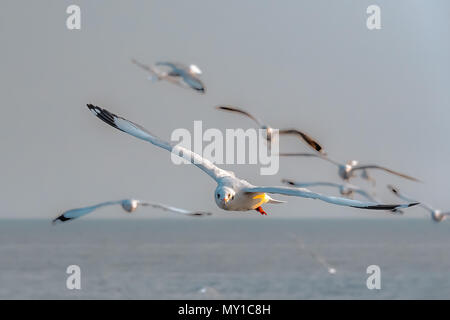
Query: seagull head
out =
(268, 132)
(223, 196)
(352, 163)
(194, 69)
(130, 205)
(437, 215)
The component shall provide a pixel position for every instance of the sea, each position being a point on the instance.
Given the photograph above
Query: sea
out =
(225, 258)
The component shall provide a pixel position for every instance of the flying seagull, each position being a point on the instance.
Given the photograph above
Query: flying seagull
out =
(232, 193)
(321, 260)
(345, 189)
(269, 130)
(436, 215)
(177, 73)
(129, 205)
(347, 171)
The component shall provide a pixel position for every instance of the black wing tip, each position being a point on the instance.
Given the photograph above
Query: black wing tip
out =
(287, 181)
(103, 115)
(201, 90)
(382, 207)
(60, 219)
(389, 207)
(200, 214)
(224, 107)
(392, 189)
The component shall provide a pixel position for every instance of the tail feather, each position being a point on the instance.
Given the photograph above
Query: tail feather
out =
(274, 201)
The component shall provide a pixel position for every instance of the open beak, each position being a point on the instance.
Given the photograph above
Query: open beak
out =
(226, 200)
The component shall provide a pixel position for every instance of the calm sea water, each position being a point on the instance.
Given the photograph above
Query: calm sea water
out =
(228, 258)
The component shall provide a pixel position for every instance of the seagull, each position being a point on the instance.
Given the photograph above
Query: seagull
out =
(347, 171)
(321, 260)
(269, 130)
(347, 190)
(129, 205)
(436, 215)
(231, 193)
(179, 74)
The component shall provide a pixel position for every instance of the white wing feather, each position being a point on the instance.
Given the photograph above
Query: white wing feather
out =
(305, 193)
(139, 132)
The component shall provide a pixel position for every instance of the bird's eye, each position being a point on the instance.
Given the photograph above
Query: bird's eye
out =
(218, 196)
(232, 197)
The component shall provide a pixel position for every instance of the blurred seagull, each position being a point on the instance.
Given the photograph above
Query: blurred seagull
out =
(129, 205)
(344, 189)
(347, 190)
(347, 171)
(269, 130)
(181, 75)
(436, 215)
(321, 260)
(231, 193)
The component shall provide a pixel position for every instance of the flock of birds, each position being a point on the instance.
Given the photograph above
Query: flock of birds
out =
(233, 193)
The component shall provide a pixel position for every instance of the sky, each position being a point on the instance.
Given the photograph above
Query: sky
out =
(378, 96)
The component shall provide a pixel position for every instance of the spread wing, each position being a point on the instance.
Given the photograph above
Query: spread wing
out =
(362, 167)
(79, 212)
(310, 184)
(193, 82)
(305, 193)
(404, 197)
(139, 132)
(237, 110)
(188, 78)
(309, 140)
(146, 67)
(175, 66)
(349, 187)
(313, 155)
(176, 210)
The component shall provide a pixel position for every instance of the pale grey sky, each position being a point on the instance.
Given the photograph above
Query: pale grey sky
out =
(376, 96)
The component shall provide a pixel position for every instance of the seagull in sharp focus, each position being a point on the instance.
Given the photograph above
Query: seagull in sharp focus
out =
(129, 205)
(347, 171)
(231, 193)
(436, 215)
(177, 73)
(269, 130)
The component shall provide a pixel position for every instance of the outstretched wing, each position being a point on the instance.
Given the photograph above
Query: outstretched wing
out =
(176, 210)
(139, 132)
(304, 154)
(305, 193)
(349, 187)
(145, 67)
(175, 66)
(310, 184)
(385, 169)
(237, 110)
(310, 141)
(363, 193)
(79, 212)
(193, 82)
(403, 196)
